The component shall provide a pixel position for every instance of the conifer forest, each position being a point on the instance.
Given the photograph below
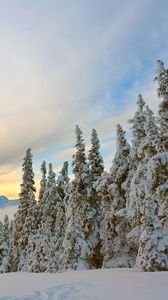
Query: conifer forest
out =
(99, 219)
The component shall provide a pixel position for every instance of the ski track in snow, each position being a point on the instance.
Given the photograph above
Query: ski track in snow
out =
(71, 291)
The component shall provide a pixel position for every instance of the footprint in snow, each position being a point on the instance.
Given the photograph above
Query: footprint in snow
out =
(71, 291)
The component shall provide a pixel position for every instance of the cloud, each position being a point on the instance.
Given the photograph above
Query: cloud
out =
(64, 64)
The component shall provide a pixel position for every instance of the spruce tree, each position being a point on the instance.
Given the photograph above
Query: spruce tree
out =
(119, 169)
(119, 172)
(42, 190)
(96, 170)
(43, 182)
(107, 227)
(25, 218)
(137, 196)
(162, 79)
(160, 160)
(148, 146)
(95, 158)
(63, 180)
(47, 242)
(138, 134)
(1, 243)
(51, 197)
(79, 163)
(78, 242)
(138, 128)
(6, 250)
(113, 206)
(134, 177)
(153, 244)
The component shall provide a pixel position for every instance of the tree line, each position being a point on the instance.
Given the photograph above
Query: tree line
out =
(98, 219)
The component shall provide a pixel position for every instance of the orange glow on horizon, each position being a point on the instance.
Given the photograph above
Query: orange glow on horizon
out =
(10, 184)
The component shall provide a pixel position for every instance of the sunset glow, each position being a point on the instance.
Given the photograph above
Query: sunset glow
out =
(72, 62)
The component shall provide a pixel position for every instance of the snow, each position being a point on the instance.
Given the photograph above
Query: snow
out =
(10, 211)
(7, 207)
(106, 284)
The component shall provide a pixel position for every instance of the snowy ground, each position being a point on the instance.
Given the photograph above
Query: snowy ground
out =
(113, 284)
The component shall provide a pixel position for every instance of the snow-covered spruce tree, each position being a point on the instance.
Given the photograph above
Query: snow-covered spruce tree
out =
(119, 169)
(63, 180)
(119, 172)
(132, 182)
(79, 239)
(46, 244)
(113, 225)
(5, 246)
(138, 129)
(43, 182)
(42, 256)
(95, 158)
(25, 217)
(41, 199)
(153, 244)
(137, 196)
(107, 227)
(96, 170)
(138, 134)
(162, 79)
(148, 146)
(51, 199)
(1, 242)
(160, 166)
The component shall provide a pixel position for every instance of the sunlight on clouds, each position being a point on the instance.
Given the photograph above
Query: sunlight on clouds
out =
(64, 64)
(9, 182)
(65, 155)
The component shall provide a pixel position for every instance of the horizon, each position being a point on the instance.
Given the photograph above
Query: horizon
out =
(64, 64)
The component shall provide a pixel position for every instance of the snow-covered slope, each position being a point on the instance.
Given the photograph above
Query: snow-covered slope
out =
(7, 207)
(111, 284)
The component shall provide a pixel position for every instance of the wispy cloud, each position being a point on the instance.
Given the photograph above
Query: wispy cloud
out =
(78, 62)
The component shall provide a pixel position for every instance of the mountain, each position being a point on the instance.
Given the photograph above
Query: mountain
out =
(5, 202)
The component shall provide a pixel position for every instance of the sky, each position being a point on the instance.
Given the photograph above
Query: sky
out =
(64, 63)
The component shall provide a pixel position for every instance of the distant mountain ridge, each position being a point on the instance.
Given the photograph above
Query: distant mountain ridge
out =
(5, 202)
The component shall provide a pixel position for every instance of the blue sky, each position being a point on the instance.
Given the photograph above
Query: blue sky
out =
(73, 62)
